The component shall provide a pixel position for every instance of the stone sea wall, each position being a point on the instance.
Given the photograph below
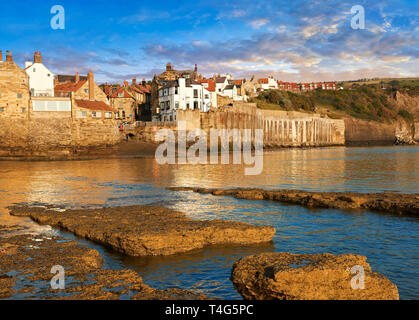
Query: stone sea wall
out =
(55, 136)
(281, 128)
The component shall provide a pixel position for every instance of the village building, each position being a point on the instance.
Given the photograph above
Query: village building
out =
(14, 89)
(124, 102)
(89, 102)
(266, 84)
(142, 93)
(249, 87)
(182, 94)
(41, 79)
(164, 79)
(289, 86)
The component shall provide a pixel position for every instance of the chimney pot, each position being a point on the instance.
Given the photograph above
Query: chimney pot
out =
(77, 77)
(134, 81)
(9, 56)
(37, 57)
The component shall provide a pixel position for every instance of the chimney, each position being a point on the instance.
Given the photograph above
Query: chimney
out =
(134, 81)
(168, 66)
(91, 80)
(214, 78)
(125, 83)
(77, 77)
(1, 55)
(37, 57)
(9, 56)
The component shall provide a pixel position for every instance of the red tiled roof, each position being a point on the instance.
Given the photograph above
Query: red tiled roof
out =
(211, 84)
(94, 105)
(125, 94)
(238, 81)
(263, 81)
(141, 89)
(69, 86)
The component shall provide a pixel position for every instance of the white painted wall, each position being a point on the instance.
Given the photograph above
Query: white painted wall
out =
(41, 80)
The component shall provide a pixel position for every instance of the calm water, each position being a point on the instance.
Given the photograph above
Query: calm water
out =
(390, 242)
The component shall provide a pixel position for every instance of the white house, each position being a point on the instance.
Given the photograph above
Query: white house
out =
(183, 94)
(41, 79)
(267, 83)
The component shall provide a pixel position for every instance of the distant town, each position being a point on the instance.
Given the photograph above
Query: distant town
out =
(36, 89)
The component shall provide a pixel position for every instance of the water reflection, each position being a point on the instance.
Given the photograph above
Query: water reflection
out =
(389, 242)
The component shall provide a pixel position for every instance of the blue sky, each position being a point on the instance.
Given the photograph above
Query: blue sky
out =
(291, 40)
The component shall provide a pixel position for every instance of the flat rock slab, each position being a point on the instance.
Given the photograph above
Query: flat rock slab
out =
(385, 202)
(25, 273)
(288, 276)
(147, 230)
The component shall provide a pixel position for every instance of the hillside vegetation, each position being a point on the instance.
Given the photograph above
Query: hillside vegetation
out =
(368, 102)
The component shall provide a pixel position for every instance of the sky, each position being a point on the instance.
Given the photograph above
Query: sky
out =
(289, 40)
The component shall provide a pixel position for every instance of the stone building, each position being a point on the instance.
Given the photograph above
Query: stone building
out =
(142, 94)
(124, 102)
(85, 96)
(14, 89)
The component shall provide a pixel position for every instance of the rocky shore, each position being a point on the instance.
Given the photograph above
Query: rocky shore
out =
(407, 204)
(287, 276)
(25, 273)
(147, 230)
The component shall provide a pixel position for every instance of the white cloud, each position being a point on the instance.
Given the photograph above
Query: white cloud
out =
(259, 23)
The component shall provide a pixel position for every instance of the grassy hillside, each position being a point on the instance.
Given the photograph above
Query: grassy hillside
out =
(367, 102)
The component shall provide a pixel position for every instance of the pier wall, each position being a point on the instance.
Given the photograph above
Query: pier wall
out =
(280, 128)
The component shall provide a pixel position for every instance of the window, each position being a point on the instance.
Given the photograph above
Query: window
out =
(48, 75)
(34, 69)
(206, 96)
(86, 90)
(1, 109)
(187, 105)
(108, 115)
(176, 104)
(120, 94)
(94, 114)
(195, 105)
(81, 114)
(23, 110)
(123, 114)
(19, 96)
(116, 115)
(195, 93)
(176, 90)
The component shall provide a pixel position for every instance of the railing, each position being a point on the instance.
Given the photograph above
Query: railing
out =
(49, 94)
